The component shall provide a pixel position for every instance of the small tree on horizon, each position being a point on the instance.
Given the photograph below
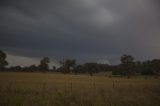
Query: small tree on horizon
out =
(44, 64)
(3, 61)
(127, 64)
(67, 65)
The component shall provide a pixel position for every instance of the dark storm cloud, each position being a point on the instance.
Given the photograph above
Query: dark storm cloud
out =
(82, 29)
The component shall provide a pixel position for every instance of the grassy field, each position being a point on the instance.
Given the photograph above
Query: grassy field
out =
(39, 89)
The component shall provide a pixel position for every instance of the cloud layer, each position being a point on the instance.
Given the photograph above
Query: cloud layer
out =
(81, 29)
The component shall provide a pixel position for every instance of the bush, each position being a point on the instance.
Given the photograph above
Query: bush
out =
(121, 73)
(147, 71)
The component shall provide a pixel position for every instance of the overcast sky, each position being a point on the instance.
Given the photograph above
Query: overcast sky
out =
(87, 30)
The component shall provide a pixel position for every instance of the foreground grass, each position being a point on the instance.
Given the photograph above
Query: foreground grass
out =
(38, 89)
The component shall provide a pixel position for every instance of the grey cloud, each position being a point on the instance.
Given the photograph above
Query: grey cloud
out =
(80, 29)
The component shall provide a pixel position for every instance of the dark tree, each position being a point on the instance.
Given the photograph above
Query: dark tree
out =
(67, 65)
(3, 61)
(91, 68)
(156, 65)
(79, 69)
(153, 67)
(15, 68)
(146, 68)
(44, 64)
(32, 68)
(127, 64)
(53, 68)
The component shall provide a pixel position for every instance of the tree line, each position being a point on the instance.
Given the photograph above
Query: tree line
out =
(127, 67)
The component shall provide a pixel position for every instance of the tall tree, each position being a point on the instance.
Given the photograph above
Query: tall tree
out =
(68, 65)
(44, 64)
(3, 61)
(127, 64)
(156, 66)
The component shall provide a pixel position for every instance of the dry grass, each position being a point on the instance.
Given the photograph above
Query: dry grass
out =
(38, 89)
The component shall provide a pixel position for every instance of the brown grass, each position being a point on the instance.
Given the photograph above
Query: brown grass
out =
(38, 89)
